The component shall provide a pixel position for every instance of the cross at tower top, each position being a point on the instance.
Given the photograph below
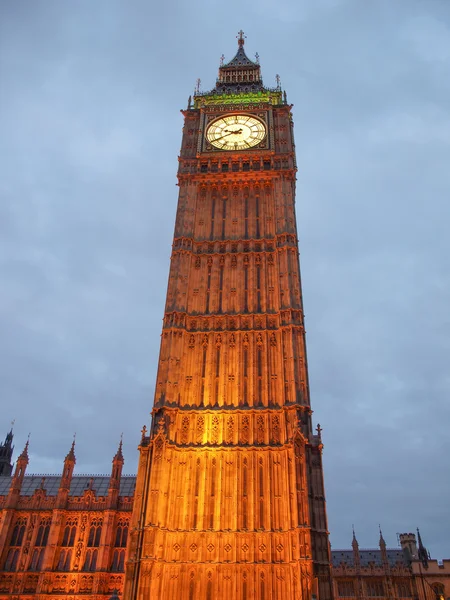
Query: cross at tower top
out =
(241, 38)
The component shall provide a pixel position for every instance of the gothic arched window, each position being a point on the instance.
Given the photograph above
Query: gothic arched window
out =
(95, 532)
(438, 590)
(37, 560)
(70, 531)
(403, 589)
(118, 561)
(90, 561)
(346, 589)
(375, 588)
(11, 560)
(121, 534)
(64, 560)
(43, 532)
(18, 532)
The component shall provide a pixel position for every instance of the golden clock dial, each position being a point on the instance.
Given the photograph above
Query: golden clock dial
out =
(236, 132)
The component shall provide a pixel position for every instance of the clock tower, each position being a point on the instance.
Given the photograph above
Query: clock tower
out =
(229, 497)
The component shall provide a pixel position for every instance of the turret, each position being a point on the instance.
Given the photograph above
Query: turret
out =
(356, 555)
(69, 465)
(21, 465)
(409, 546)
(422, 552)
(17, 479)
(116, 474)
(66, 477)
(382, 544)
(6, 450)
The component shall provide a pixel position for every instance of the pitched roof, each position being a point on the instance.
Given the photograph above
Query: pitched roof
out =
(240, 60)
(80, 483)
(394, 555)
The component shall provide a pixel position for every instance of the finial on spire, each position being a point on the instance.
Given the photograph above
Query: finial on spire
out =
(241, 38)
(71, 453)
(197, 86)
(222, 60)
(24, 454)
(119, 455)
(319, 431)
(278, 80)
(257, 58)
(10, 435)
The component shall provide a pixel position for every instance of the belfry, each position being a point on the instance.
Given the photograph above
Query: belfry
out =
(229, 498)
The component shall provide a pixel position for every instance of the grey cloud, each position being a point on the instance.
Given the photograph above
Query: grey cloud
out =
(89, 115)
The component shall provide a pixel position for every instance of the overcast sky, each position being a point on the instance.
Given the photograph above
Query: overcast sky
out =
(90, 130)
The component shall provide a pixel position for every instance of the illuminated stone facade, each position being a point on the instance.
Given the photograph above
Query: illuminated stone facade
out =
(229, 494)
(66, 535)
(229, 498)
(400, 573)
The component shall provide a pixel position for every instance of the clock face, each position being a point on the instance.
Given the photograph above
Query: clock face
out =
(236, 132)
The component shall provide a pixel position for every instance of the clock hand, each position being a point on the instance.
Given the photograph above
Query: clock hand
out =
(222, 136)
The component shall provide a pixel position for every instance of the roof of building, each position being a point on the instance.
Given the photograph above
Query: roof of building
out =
(50, 483)
(240, 60)
(367, 557)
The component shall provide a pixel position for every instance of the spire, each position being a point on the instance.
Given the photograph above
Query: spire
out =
(382, 544)
(71, 454)
(24, 455)
(116, 474)
(354, 540)
(10, 435)
(6, 451)
(422, 552)
(240, 74)
(240, 59)
(19, 473)
(119, 456)
(69, 464)
(355, 546)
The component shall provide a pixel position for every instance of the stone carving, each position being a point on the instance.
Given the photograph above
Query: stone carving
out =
(185, 429)
(260, 428)
(230, 430)
(245, 432)
(200, 428)
(215, 429)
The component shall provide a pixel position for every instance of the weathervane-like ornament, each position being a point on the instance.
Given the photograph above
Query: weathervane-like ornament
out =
(241, 38)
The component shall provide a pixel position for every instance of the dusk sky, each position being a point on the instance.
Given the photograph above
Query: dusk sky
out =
(90, 130)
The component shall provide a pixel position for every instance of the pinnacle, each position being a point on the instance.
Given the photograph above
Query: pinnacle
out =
(24, 455)
(71, 453)
(119, 455)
